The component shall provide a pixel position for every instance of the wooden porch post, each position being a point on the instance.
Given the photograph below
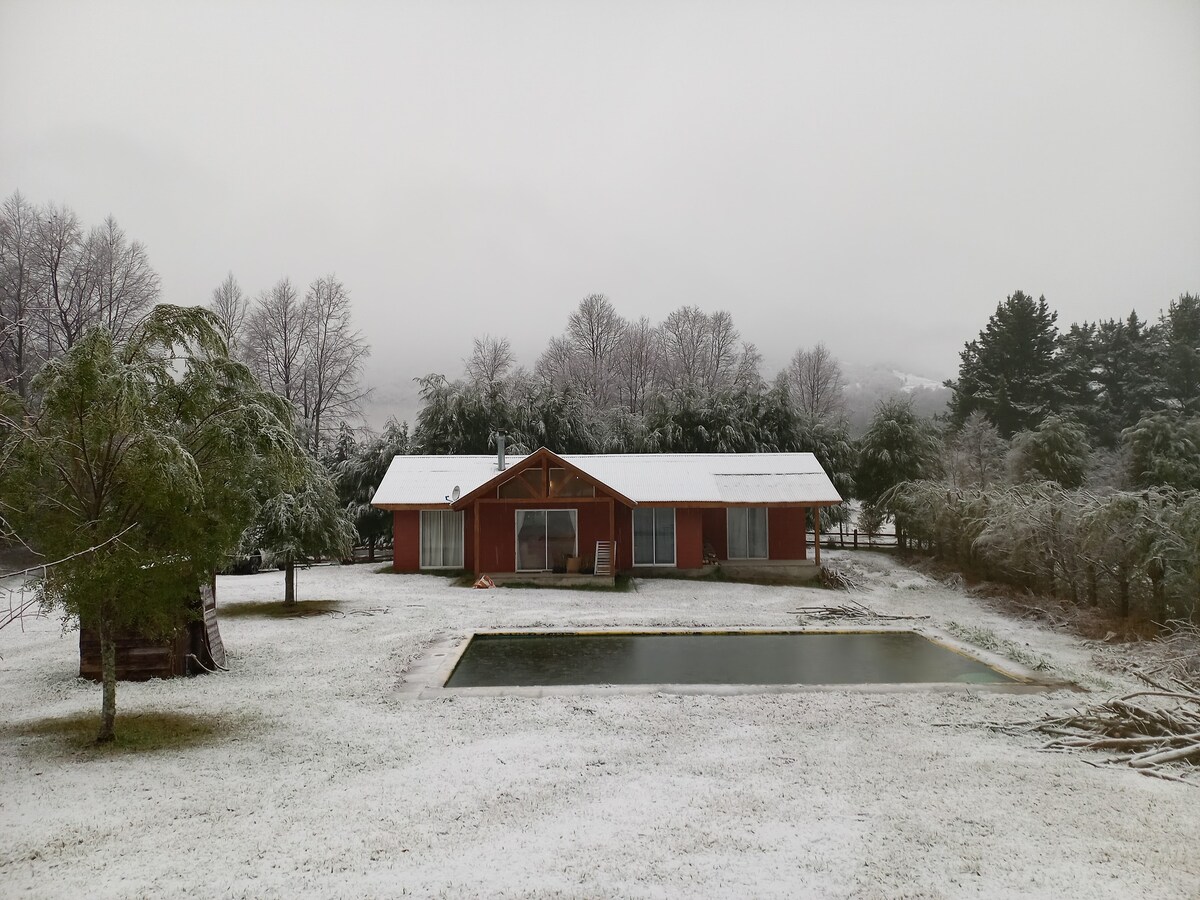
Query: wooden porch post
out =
(817, 536)
(612, 531)
(476, 509)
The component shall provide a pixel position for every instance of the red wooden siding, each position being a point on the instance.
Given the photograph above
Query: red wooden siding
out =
(689, 538)
(786, 532)
(406, 540)
(624, 538)
(497, 538)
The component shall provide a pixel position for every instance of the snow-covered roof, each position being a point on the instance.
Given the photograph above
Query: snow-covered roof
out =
(717, 478)
(413, 480)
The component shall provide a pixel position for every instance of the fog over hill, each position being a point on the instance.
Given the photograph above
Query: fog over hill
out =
(867, 385)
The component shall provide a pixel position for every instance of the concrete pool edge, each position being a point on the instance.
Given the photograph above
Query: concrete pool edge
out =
(427, 675)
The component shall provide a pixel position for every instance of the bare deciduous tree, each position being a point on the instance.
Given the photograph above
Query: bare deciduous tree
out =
(594, 330)
(491, 359)
(637, 364)
(816, 384)
(64, 278)
(276, 332)
(747, 372)
(333, 353)
(56, 282)
(684, 340)
(723, 356)
(558, 365)
(232, 308)
(124, 285)
(18, 305)
(702, 352)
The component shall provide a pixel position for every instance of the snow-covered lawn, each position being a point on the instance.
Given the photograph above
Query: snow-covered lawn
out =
(310, 775)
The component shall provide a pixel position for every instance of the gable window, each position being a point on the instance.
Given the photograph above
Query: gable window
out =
(441, 539)
(747, 532)
(522, 485)
(545, 538)
(568, 484)
(654, 536)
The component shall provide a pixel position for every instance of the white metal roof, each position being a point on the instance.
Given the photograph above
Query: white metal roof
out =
(642, 477)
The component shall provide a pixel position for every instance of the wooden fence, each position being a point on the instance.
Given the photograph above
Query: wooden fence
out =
(857, 540)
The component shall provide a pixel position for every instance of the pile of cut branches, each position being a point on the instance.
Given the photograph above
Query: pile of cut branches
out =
(1156, 731)
(851, 609)
(841, 579)
(1174, 653)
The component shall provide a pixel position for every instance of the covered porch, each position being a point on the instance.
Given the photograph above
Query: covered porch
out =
(544, 521)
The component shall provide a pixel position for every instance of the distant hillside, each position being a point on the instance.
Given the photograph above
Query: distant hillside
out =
(866, 385)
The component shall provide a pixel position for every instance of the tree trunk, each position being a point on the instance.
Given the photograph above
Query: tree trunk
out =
(1160, 597)
(108, 667)
(1157, 573)
(1123, 595)
(289, 579)
(371, 549)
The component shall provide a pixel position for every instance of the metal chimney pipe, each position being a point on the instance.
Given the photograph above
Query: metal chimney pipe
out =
(500, 453)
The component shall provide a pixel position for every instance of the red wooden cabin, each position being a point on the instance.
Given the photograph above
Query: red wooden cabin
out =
(545, 513)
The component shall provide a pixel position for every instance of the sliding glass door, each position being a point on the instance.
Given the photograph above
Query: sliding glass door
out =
(654, 536)
(545, 538)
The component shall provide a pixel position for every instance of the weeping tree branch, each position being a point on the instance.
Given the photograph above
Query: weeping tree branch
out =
(18, 612)
(41, 567)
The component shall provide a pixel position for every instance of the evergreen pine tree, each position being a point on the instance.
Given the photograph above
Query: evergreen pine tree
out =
(1011, 372)
(1057, 450)
(1077, 379)
(1181, 338)
(1128, 372)
(899, 446)
(1163, 450)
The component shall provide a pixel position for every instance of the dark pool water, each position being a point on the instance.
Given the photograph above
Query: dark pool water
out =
(715, 658)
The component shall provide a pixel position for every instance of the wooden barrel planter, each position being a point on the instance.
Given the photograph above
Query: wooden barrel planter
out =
(193, 648)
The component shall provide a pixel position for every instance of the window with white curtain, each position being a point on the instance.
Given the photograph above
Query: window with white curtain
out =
(747, 534)
(441, 539)
(654, 536)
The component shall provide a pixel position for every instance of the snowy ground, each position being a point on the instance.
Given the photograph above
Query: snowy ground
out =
(319, 779)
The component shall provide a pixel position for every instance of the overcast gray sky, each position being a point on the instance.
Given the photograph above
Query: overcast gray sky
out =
(876, 175)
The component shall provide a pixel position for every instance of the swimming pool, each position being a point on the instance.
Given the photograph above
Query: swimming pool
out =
(716, 657)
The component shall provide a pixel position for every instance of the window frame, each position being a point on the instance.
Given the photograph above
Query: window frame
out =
(462, 542)
(546, 527)
(766, 532)
(654, 537)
